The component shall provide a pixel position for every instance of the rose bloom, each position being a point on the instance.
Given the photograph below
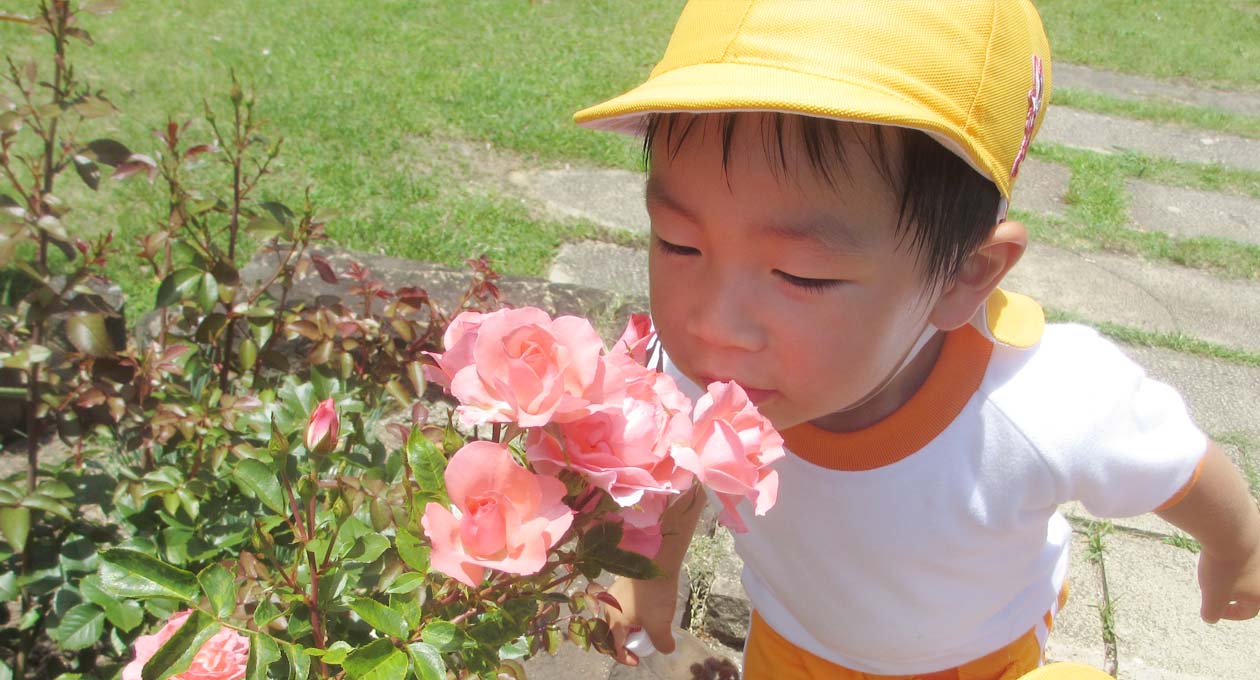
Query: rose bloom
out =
(624, 447)
(503, 517)
(223, 657)
(520, 365)
(732, 448)
(635, 339)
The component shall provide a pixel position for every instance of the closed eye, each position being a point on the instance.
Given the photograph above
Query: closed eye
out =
(813, 285)
(674, 248)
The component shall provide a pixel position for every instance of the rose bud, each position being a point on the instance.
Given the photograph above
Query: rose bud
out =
(325, 426)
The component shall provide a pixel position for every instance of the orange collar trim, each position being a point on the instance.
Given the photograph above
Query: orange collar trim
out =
(956, 376)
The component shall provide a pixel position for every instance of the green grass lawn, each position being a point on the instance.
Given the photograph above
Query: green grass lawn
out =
(1203, 42)
(363, 92)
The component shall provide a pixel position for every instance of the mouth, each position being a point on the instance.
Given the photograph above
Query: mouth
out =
(755, 395)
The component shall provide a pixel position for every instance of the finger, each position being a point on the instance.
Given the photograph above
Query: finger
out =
(620, 653)
(1240, 611)
(662, 640)
(1213, 606)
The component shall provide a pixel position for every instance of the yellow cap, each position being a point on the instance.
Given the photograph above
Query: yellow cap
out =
(973, 74)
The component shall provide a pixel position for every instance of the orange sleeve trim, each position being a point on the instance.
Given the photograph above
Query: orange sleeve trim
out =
(1177, 497)
(954, 379)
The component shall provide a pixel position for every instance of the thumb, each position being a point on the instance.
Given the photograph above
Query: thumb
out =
(662, 638)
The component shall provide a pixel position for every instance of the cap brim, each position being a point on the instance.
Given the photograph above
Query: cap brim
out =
(733, 87)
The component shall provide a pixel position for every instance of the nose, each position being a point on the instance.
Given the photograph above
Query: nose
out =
(725, 315)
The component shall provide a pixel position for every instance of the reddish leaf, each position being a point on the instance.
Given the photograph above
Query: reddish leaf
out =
(198, 150)
(608, 599)
(324, 268)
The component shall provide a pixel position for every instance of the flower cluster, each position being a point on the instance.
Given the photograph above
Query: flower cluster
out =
(626, 429)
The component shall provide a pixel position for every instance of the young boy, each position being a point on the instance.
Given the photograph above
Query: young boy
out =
(828, 187)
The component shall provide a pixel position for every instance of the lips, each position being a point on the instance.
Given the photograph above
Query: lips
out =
(755, 395)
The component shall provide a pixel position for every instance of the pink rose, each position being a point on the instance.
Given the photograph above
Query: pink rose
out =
(504, 517)
(323, 429)
(223, 657)
(458, 340)
(624, 447)
(520, 365)
(732, 448)
(635, 339)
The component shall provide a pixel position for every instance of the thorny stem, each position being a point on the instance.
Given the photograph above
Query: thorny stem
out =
(33, 426)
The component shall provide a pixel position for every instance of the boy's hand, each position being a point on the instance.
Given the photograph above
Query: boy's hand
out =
(1231, 588)
(648, 605)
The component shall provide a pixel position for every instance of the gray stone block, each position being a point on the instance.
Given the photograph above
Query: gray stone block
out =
(1155, 297)
(611, 198)
(1041, 187)
(1189, 212)
(605, 266)
(1157, 602)
(1138, 88)
(1104, 133)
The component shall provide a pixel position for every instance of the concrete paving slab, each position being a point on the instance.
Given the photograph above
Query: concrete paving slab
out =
(611, 198)
(1099, 132)
(605, 266)
(1222, 397)
(1041, 187)
(1190, 212)
(1155, 297)
(1156, 598)
(1138, 88)
(1077, 634)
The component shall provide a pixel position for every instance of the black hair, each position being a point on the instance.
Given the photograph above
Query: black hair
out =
(947, 208)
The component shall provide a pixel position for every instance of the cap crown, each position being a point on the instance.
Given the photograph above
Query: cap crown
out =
(974, 74)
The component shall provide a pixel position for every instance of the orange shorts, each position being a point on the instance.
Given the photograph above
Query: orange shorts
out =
(768, 656)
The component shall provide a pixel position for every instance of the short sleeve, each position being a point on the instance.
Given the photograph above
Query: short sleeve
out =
(1112, 437)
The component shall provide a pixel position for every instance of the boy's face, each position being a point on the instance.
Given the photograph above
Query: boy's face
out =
(803, 293)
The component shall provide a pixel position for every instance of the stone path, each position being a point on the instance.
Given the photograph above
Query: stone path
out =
(1154, 632)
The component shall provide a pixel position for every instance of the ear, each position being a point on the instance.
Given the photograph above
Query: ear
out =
(979, 275)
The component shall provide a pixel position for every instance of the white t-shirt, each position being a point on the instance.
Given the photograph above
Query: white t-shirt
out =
(932, 538)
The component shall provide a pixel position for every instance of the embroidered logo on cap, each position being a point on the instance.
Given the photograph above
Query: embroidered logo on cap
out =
(1035, 100)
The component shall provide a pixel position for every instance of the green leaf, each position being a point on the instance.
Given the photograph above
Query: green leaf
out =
(278, 446)
(407, 604)
(444, 636)
(177, 654)
(220, 588)
(380, 617)
(177, 286)
(260, 481)
(427, 465)
(379, 660)
(335, 654)
(208, 293)
(86, 331)
(124, 615)
(79, 628)
(414, 553)
(265, 613)
(299, 662)
(49, 505)
(88, 172)
(15, 524)
(108, 151)
(6, 673)
(263, 652)
(128, 573)
(406, 583)
(8, 586)
(426, 662)
(598, 548)
(516, 649)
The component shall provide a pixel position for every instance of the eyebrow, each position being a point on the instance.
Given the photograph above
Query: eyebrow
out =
(825, 233)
